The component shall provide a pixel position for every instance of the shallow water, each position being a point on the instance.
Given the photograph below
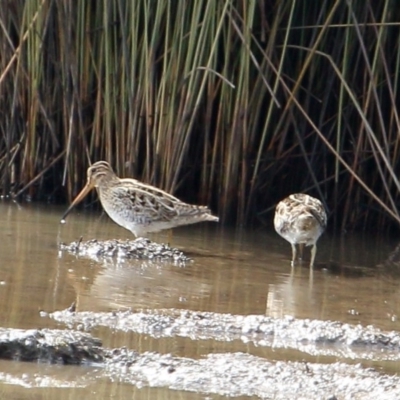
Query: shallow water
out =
(355, 280)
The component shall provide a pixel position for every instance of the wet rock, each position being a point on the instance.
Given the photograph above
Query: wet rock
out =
(47, 345)
(140, 248)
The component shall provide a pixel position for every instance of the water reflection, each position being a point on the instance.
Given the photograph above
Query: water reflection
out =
(232, 272)
(41, 381)
(355, 278)
(110, 285)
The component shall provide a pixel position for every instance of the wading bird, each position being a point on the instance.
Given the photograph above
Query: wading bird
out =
(300, 219)
(138, 207)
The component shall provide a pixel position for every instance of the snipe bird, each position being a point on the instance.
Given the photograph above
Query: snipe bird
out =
(138, 207)
(300, 219)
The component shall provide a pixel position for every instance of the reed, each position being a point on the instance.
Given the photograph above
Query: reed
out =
(234, 104)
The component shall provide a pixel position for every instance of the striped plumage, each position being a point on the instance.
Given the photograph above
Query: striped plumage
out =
(300, 219)
(138, 207)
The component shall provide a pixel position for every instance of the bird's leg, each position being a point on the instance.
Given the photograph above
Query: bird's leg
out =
(294, 253)
(301, 246)
(313, 253)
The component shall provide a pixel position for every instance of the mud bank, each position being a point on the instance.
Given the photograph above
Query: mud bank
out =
(314, 337)
(239, 374)
(140, 248)
(230, 374)
(50, 345)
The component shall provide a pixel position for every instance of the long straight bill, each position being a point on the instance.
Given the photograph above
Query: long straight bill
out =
(88, 187)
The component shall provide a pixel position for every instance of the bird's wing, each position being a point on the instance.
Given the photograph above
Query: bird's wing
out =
(155, 203)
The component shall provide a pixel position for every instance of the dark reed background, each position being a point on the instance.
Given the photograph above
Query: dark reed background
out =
(231, 103)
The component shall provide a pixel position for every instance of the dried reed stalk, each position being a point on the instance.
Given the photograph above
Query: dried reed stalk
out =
(234, 104)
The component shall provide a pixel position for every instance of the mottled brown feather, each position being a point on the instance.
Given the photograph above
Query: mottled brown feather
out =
(139, 207)
(300, 219)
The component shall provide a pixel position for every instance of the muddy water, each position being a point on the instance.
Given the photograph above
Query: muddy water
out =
(356, 279)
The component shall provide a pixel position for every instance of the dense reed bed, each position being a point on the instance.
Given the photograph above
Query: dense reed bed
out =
(231, 103)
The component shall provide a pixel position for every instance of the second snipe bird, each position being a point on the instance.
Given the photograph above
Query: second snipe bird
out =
(138, 207)
(301, 220)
